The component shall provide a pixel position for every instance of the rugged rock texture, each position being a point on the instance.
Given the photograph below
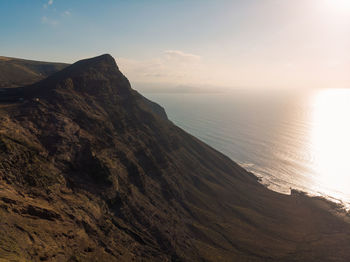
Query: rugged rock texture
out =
(92, 171)
(16, 72)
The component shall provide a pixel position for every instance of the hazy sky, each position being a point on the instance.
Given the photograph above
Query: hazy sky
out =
(233, 43)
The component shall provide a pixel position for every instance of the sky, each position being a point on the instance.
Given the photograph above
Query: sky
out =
(203, 44)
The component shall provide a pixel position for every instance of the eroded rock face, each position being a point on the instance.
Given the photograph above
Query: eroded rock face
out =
(92, 171)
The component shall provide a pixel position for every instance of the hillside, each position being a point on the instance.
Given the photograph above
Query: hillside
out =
(18, 72)
(92, 171)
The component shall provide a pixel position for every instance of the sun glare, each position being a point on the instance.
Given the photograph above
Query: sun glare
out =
(331, 140)
(338, 5)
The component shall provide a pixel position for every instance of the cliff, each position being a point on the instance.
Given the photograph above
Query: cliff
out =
(92, 171)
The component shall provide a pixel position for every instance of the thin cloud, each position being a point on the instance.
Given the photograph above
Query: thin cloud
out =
(49, 3)
(54, 18)
(170, 66)
(181, 56)
(66, 13)
(49, 21)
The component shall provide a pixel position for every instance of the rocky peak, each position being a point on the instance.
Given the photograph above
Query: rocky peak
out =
(105, 60)
(98, 76)
(103, 64)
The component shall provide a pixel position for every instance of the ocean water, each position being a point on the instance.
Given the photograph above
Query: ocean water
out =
(290, 139)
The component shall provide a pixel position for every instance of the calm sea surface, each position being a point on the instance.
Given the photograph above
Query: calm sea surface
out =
(290, 139)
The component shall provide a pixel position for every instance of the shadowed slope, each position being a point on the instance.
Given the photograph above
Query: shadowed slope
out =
(18, 72)
(91, 171)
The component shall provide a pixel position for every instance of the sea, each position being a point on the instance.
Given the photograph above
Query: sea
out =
(290, 139)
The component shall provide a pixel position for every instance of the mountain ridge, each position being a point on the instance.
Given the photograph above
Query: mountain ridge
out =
(91, 171)
(15, 72)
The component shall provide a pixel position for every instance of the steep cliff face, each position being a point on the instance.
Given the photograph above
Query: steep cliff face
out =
(92, 171)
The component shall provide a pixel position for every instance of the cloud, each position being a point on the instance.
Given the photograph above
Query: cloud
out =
(177, 70)
(181, 56)
(49, 3)
(66, 13)
(54, 17)
(171, 66)
(49, 21)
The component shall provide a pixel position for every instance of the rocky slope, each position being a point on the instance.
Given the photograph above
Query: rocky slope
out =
(92, 171)
(16, 72)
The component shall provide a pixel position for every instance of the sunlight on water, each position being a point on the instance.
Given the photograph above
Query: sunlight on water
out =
(294, 139)
(330, 140)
